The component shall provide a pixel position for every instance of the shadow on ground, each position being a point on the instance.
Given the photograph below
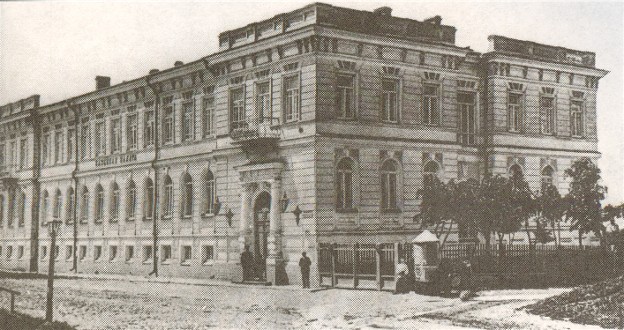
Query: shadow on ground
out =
(19, 321)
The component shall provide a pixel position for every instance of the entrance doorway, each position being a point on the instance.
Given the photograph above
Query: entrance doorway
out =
(262, 208)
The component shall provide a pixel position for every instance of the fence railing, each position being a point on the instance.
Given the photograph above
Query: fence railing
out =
(13, 294)
(255, 128)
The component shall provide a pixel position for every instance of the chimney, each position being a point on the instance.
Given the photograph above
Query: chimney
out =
(178, 63)
(102, 82)
(153, 71)
(383, 11)
(435, 20)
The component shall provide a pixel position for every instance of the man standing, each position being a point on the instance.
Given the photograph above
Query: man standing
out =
(247, 264)
(304, 264)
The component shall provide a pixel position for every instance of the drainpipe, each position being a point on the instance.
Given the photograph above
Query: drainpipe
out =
(74, 215)
(154, 168)
(36, 193)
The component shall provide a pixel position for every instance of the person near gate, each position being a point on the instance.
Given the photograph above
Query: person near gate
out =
(304, 264)
(247, 262)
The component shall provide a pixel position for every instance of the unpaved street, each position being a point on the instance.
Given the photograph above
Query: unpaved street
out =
(115, 304)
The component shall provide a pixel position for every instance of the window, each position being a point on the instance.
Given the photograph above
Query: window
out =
(84, 205)
(168, 197)
(209, 110)
(129, 252)
(21, 216)
(431, 105)
(97, 252)
(390, 100)
(116, 135)
(58, 204)
(23, 154)
(100, 138)
(210, 194)
(165, 255)
(148, 128)
(167, 124)
(430, 169)
(186, 254)
(263, 102)
(237, 108)
(346, 96)
(83, 252)
(69, 252)
(547, 114)
(187, 120)
(13, 154)
(115, 202)
(389, 186)
(576, 118)
(147, 253)
(45, 150)
(187, 195)
(99, 203)
(20, 252)
(45, 208)
(2, 158)
(132, 132)
(71, 200)
(131, 201)
(112, 253)
(515, 170)
(57, 252)
(1, 211)
(467, 117)
(58, 147)
(514, 112)
(291, 98)
(207, 254)
(547, 176)
(85, 142)
(9, 252)
(148, 199)
(71, 144)
(0, 250)
(344, 185)
(44, 252)
(11, 203)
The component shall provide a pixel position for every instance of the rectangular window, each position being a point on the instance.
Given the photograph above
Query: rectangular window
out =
(467, 118)
(431, 105)
(346, 96)
(576, 118)
(13, 154)
(69, 252)
(186, 254)
(23, 154)
(9, 252)
(263, 102)
(116, 135)
(20, 252)
(58, 147)
(292, 111)
(237, 109)
(165, 255)
(129, 252)
(97, 252)
(2, 157)
(148, 128)
(85, 142)
(44, 252)
(83, 252)
(547, 114)
(100, 138)
(57, 252)
(187, 120)
(45, 150)
(207, 254)
(112, 254)
(147, 253)
(389, 100)
(71, 144)
(132, 131)
(209, 111)
(514, 112)
(167, 124)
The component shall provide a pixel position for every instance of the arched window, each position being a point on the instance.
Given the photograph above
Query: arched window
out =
(431, 168)
(548, 174)
(210, 193)
(515, 170)
(71, 200)
(149, 199)
(167, 197)
(344, 184)
(99, 203)
(45, 207)
(1, 211)
(84, 205)
(115, 202)
(22, 210)
(58, 203)
(131, 201)
(187, 195)
(389, 186)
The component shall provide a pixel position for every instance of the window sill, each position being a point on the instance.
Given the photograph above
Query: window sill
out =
(389, 122)
(97, 261)
(166, 262)
(208, 263)
(207, 215)
(166, 217)
(114, 220)
(348, 211)
(187, 217)
(129, 261)
(130, 219)
(148, 262)
(147, 218)
(185, 263)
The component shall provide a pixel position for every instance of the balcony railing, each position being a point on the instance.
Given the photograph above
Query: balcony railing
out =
(253, 129)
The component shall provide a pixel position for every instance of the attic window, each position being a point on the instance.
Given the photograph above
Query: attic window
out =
(466, 84)
(516, 86)
(262, 74)
(208, 89)
(346, 65)
(291, 66)
(391, 70)
(236, 80)
(548, 90)
(577, 94)
(187, 95)
(432, 76)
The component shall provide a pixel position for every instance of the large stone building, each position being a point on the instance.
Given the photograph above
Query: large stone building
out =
(313, 126)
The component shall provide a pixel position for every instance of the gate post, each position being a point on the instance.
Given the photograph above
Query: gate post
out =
(378, 267)
(355, 265)
(332, 252)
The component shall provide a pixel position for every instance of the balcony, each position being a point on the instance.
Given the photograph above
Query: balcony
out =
(252, 133)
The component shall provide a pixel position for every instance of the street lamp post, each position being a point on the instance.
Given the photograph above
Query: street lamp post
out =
(53, 229)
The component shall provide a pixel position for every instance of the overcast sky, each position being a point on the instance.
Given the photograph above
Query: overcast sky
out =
(56, 49)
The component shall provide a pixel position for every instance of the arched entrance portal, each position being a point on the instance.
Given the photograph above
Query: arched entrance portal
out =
(262, 209)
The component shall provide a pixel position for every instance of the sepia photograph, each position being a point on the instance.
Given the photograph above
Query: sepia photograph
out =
(311, 165)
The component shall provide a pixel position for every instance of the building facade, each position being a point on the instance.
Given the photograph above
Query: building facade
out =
(314, 126)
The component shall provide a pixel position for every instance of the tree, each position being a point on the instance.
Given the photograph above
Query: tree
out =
(551, 209)
(434, 208)
(583, 201)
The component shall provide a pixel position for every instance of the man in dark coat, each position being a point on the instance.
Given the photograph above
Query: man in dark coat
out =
(304, 264)
(247, 262)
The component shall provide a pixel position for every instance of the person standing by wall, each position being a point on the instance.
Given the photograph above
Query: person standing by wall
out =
(247, 262)
(304, 264)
